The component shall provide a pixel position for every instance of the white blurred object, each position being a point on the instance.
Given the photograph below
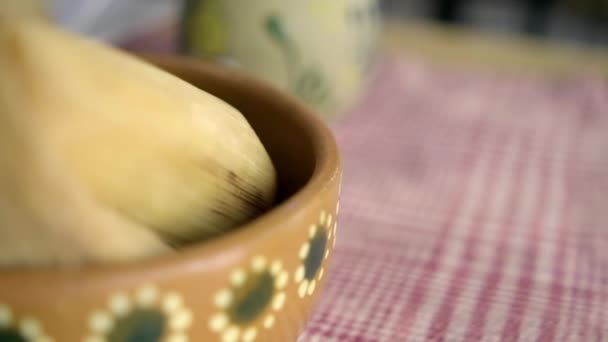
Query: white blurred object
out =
(111, 20)
(319, 50)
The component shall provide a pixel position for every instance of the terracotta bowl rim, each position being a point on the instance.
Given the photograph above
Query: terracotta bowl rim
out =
(218, 251)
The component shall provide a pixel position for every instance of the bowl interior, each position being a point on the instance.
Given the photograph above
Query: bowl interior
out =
(300, 145)
(289, 139)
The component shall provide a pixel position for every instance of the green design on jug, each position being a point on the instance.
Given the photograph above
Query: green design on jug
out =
(24, 329)
(145, 316)
(251, 301)
(365, 19)
(313, 253)
(306, 80)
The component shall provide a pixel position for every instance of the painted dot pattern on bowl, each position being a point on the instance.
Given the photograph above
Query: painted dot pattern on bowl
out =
(253, 297)
(255, 294)
(26, 329)
(250, 301)
(147, 315)
(313, 252)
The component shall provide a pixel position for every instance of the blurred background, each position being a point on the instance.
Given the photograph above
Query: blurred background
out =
(568, 21)
(323, 50)
(573, 21)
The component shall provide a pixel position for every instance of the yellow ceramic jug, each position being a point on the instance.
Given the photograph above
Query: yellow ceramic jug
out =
(317, 50)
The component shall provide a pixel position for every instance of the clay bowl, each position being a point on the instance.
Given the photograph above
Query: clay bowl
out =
(258, 282)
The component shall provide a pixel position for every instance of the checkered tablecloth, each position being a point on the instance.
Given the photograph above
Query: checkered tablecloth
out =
(474, 208)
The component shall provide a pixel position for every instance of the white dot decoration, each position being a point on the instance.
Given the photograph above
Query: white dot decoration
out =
(312, 254)
(28, 328)
(262, 277)
(145, 301)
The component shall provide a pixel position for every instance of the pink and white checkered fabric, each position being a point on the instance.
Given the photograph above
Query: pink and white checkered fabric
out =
(474, 208)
